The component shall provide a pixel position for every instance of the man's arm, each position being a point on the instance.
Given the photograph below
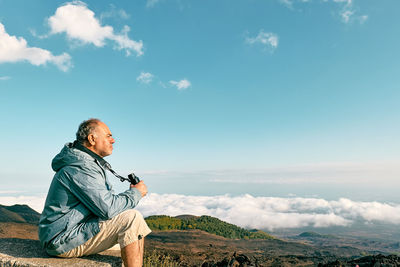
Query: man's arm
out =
(89, 187)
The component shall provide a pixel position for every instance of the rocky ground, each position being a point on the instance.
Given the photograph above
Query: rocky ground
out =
(197, 248)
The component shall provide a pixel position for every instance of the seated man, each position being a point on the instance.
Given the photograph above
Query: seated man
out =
(82, 215)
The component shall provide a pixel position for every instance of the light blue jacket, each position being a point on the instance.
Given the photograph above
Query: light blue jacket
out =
(79, 197)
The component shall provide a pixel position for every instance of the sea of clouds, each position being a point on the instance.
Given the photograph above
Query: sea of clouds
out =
(271, 213)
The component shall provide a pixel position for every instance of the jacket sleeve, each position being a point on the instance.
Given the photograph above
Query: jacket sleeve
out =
(87, 183)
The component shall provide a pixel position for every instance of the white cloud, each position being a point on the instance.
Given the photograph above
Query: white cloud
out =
(35, 34)
(256, 212)
(347, 2)
(145, 77)
(287, 3)
(114, 12)
(346, 15)
(80, 24)
(4, 78)
(162, 84)
(15, 49)
(347, 11)
(267, 39)
(182, 84)
(122, 14)
(362, 19)
(272, 212)
(151, 3)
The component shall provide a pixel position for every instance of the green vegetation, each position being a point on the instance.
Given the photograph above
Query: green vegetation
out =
(206, 223)
(154, 258)
(315, 235)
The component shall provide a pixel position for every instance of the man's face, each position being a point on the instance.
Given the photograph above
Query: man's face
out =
(103, 140)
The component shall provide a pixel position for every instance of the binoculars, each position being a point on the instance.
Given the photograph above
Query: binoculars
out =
(133, 179)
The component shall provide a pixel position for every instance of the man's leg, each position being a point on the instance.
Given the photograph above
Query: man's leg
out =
(132, 254)
(127, 228)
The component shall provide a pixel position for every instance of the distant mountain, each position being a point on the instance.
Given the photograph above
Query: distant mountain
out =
(315, 235)
(205, 223)
(19, 213)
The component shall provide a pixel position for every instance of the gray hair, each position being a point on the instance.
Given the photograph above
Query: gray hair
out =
(85, 128)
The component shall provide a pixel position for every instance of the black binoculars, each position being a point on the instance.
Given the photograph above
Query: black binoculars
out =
(133, 179)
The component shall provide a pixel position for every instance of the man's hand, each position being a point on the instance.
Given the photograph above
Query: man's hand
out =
(141, 187)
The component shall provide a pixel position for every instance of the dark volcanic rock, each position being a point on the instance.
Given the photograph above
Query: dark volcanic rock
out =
(377, 260)
(239, 260)
(367, 261)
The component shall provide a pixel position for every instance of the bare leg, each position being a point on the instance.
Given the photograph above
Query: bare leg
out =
(132, 254)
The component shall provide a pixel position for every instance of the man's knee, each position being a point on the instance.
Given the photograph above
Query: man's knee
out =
(131, 219)
(132, 227)
(132, 215)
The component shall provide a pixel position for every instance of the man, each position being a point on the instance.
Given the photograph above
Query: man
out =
(82, 215)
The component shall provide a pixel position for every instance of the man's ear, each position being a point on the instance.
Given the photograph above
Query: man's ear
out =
(91, 139)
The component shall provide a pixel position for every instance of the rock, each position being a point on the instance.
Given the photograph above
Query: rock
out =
(373, 260)
(208, 264)
(377, 260)
(236, 260)
(16, 252)
(242, 259)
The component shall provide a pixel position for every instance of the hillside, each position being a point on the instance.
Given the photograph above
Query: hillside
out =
(205, 223)
(19, 213)
(314, 235)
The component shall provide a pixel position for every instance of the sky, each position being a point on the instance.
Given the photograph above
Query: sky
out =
(278, 100)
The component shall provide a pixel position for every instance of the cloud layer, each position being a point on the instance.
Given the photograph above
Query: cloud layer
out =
(272, 212)
(80, 24)
(14, 49)
(269, 213)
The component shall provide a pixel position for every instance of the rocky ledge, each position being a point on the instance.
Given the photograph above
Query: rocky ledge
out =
(18, 252)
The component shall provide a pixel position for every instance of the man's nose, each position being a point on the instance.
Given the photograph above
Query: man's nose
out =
(112, 140)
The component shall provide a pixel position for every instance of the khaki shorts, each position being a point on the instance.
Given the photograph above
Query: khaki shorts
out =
(125, 228)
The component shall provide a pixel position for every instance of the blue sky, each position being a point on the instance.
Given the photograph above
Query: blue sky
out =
(264, 97)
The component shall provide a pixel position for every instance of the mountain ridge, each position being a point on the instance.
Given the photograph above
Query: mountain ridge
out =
(19, 214)
(205, 223)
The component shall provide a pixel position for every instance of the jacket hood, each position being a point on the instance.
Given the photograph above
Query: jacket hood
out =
(70, 156)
